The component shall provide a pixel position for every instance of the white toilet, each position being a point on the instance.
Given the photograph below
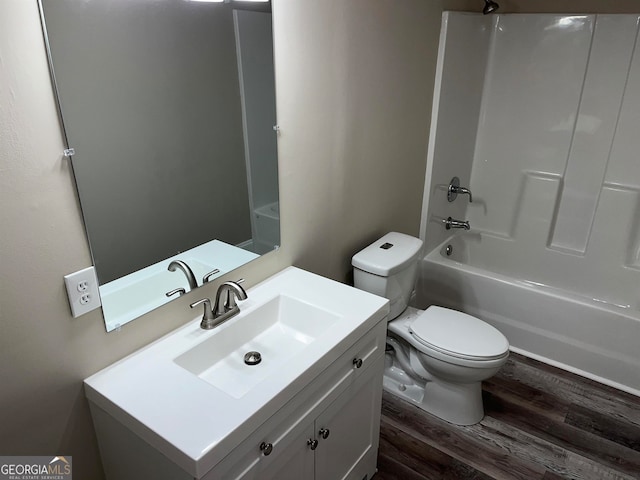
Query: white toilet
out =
(436, 358)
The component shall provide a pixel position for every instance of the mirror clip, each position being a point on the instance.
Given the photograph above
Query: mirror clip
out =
(69, 152)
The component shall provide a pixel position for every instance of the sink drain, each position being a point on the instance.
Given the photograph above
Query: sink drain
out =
(252, 358)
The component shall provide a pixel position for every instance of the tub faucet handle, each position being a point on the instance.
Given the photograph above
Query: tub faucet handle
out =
(455, 189)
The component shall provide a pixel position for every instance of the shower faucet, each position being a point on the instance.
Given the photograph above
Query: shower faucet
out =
(455, 189)
(450, 223)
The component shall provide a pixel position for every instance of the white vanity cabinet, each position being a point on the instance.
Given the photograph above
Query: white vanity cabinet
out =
(309, 411)
(328, 432)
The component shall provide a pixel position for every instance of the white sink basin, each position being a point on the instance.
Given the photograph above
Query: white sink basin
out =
(279, 331)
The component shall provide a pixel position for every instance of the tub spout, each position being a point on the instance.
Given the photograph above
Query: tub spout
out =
(450, 223)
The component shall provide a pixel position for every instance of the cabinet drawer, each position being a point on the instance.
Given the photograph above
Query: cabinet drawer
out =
(368, 348)
(290, 422)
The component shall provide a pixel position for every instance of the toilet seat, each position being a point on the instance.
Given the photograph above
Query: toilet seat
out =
(458, 335)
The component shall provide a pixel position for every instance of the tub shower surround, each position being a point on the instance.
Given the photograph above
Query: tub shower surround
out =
(553, 258)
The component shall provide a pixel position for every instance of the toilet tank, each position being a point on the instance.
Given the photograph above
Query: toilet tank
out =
(388, 268)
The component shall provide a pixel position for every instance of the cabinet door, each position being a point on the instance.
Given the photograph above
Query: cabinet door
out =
(294, 464)
(351, 425)
(290, 458)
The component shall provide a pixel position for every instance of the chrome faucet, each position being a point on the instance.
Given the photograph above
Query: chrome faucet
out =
(450, 223)
(231, 292)
(455, 189)
(191, 278)
(225, 305)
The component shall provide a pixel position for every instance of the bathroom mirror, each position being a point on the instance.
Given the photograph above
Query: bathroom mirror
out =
(169, 109)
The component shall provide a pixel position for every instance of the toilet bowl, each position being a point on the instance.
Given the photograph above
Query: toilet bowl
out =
(443, 374)
(435, 358)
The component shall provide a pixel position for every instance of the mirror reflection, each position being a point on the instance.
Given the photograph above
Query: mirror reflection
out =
(169, 106)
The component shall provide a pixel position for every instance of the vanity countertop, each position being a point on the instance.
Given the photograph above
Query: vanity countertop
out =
(196, 424)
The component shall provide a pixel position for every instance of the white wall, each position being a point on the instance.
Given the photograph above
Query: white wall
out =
(354, 83)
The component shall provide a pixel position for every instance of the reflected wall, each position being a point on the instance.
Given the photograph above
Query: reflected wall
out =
(151, 103)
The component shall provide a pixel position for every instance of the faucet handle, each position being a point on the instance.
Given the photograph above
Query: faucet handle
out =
(465, 191)
(208, 276)
(232, 293)
(207, 316)
(455, 188)
(181, 291)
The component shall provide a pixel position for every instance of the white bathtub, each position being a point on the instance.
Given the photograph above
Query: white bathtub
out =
(578, 320)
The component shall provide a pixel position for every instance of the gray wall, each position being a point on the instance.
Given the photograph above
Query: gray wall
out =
(354, 83)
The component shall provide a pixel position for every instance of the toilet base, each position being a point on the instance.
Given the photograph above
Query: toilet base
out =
(460, 404)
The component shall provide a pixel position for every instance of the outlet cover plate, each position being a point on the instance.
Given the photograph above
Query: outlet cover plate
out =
(82, 289)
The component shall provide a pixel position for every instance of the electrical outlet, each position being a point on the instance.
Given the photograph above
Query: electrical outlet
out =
(82, 289)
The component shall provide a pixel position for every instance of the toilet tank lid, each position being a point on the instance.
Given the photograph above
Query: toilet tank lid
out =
(388, 255)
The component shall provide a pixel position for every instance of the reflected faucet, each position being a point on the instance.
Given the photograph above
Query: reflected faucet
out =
(210, 275)
(225, 305)
(191, 278)
(180, 291)
(450, 223)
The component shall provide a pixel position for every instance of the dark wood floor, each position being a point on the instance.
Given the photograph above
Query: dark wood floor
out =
(540, 423)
